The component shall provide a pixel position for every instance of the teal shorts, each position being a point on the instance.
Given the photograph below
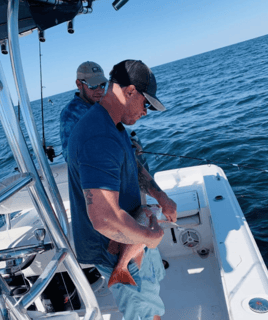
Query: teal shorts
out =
(141, 301)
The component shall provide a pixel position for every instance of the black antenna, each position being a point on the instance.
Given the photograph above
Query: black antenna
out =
(42, 105)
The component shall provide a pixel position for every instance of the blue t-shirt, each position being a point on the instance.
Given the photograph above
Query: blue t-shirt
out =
(100, 156)
(69, 117)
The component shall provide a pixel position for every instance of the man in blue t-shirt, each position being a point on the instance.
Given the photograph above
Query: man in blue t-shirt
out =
(91, 82)
(104, 187)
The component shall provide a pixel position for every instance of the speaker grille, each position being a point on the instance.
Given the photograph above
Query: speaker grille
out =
(190, 238)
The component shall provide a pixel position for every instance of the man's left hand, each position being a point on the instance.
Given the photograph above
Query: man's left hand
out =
(169, 207)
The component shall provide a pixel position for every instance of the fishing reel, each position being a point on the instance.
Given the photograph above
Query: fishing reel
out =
(50, 152)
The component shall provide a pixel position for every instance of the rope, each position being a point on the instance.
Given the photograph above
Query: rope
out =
(206, 160)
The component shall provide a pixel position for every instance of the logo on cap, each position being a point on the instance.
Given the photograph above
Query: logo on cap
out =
(96, 69)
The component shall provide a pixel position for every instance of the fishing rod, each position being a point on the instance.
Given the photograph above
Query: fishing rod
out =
(42, 105)
(208, 161)
(49, 151)
(19, 111)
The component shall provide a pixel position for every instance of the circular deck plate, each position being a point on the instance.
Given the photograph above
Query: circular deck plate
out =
(258, 305)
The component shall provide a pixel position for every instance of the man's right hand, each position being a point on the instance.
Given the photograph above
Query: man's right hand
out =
(156, 233)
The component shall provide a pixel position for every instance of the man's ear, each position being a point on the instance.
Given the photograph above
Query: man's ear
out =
(78, 83)
(129, 91)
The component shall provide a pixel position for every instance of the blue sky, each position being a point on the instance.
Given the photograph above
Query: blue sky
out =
(154, 31)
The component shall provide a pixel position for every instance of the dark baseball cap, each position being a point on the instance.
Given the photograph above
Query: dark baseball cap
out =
(135, 72)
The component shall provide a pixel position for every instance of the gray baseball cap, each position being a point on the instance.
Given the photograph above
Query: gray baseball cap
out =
(91, 72)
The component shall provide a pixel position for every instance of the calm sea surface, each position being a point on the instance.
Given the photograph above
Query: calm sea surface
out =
(217, 109)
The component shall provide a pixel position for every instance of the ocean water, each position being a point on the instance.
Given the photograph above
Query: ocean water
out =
(217, 109)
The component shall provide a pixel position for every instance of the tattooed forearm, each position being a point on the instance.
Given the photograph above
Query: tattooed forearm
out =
(88, 196)
(121, 238)
(146, 182)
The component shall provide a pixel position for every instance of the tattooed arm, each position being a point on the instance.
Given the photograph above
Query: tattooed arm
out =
(116, 224)
(146, 181)
(150, 187)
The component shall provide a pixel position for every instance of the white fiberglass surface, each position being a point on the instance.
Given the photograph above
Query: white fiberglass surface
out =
(192, 289)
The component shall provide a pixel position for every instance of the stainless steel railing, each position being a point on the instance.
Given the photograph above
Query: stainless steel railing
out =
(25, 107)
(37, 191)
(20, 181)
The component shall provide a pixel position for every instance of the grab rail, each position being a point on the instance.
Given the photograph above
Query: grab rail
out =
(24, 251)
(14, 186)
(42, 282)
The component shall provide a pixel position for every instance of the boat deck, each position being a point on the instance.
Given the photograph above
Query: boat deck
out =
(191, 290)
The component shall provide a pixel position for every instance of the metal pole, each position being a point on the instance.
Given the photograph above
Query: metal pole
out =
(21, 154)
(3, 309)
(14, 48)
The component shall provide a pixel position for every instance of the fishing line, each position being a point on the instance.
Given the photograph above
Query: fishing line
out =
(69, 297)
(57, 155)
(208, 161)
(249, 195)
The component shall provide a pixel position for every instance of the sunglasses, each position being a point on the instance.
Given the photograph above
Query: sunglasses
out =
(148, 105)
(102, 85)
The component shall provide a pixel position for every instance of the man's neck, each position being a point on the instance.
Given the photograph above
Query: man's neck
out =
(112, 108)
(113, 104)
(89, 101)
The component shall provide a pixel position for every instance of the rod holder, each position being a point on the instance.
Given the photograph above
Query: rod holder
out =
(118, 4)
(41, 35)
(70, 26)
(4, 47)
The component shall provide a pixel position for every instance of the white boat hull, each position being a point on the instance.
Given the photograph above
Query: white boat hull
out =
(215, 267)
